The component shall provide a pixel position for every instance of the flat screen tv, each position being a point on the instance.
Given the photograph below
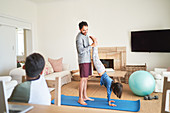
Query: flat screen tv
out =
(150, 41)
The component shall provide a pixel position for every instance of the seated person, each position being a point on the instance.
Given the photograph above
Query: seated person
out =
(34, 90)
(105, 79)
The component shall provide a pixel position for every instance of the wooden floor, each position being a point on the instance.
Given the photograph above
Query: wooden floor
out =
(95, 90)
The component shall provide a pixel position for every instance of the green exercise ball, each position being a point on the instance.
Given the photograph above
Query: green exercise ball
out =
(141, 83)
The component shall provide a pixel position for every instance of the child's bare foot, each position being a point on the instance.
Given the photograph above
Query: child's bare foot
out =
(93, 39)
(88, 99)
(80, 101)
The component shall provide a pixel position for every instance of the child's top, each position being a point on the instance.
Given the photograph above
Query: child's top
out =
(107, 82)
(34, 92)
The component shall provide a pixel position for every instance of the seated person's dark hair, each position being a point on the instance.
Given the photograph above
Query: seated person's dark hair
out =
(117, 89)
(81, 24)
(34, 65)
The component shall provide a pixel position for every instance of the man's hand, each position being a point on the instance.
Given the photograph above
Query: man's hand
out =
(112, 104)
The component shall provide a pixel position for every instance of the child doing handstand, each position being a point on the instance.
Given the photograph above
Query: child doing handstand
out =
(105, 79)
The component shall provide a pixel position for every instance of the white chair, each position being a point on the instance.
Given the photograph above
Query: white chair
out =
(159, 77)
(9, 83)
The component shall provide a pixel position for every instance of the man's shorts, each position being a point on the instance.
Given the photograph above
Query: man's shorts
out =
(85, 70)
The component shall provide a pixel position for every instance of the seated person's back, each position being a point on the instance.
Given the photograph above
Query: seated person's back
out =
(34, 90)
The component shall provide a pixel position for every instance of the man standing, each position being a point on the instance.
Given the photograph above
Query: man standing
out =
(84, 60)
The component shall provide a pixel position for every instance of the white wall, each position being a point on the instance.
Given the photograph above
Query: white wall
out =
(109, 20)
(14, 13)
(23, 10)
(7, 49)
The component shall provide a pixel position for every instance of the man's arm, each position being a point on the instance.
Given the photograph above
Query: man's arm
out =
(81, 49)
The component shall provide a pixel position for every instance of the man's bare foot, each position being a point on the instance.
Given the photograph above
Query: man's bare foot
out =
(88, 99)
(80, 101)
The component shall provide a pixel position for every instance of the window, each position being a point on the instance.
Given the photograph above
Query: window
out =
(20, 42)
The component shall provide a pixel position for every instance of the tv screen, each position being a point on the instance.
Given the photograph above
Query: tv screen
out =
(150, 41)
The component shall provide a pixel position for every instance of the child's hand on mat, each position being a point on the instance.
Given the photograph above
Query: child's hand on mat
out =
(111, 104)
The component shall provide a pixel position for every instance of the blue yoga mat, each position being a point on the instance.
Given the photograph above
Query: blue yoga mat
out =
(102, 103)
